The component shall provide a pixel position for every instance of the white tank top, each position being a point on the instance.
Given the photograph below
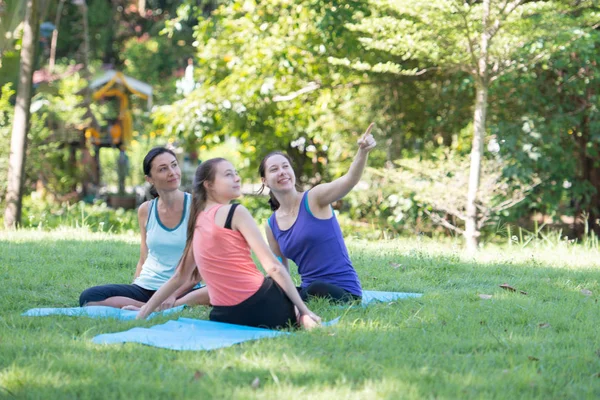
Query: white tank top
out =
(165, 247)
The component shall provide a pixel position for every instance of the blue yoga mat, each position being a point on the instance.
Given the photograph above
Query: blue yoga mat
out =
(189, 334)
(95, 312)
(192, 334)
(370, 296)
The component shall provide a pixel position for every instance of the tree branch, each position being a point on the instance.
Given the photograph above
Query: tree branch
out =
(312, 86)
(506, 10)
(533, 60)
(469, 40)
(442, 221)
(505, 205)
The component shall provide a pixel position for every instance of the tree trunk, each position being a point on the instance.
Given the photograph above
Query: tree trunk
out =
(471, 232)
(55, 36)
(87, 99)
(20, 126)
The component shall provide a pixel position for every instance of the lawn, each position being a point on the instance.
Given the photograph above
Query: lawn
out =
(451, 343)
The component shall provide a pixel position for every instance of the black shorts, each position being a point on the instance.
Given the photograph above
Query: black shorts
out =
(268, 308)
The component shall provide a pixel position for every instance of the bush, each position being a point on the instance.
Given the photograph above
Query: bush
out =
(258, 207)
(97, 217)
(429, 196)
(380, 207)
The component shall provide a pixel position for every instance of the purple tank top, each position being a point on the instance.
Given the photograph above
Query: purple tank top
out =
(318, 249)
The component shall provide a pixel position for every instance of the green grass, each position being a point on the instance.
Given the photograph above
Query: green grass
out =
(448, 344)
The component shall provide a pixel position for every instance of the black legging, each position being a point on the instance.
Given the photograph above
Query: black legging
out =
(328, 291)
(103, 292)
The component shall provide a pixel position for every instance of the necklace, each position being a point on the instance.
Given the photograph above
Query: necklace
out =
(291, 213)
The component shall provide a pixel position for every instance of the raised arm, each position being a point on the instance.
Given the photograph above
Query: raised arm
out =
(245, 224)
(275, 247)
(142, 219)
(323, 195)
(180, 277)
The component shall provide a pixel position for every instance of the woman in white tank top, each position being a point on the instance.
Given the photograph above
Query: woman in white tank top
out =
(163, 224)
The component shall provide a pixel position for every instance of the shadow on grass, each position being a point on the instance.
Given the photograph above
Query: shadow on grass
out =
(450, 343)
(356, 357)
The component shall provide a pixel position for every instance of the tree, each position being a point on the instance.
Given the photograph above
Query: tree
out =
(484, 39)
(265, 79)
(11, 15)
(18, 145)
(52, 60)
(550, 124)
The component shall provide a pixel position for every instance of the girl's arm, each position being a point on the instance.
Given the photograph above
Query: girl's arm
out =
(321, 196)
(179, 293)
(245, 224)
(182, 275)
(142, 219)
(187, 285)
(275, 247)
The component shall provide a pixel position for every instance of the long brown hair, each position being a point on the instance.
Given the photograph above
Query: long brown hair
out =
(204, 173)
(273, 202)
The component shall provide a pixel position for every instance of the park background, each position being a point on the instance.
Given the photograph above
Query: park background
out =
(487, 171)
(514, 84)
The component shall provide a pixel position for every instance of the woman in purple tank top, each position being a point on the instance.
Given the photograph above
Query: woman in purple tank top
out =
(304, 229)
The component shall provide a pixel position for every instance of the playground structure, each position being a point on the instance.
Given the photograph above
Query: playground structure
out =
(117, 133)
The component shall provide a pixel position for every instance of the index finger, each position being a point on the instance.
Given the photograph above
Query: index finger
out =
(368, 130)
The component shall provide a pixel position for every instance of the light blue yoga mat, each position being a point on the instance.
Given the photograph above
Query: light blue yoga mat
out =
(370, 296)
(192, 334)
(95, 312)
(189, 334)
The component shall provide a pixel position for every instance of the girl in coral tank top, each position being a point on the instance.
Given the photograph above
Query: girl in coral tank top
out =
(219, 242)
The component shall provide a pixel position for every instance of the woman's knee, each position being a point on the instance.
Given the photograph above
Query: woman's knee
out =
(328, 291)
(92, 294)
(319, 289)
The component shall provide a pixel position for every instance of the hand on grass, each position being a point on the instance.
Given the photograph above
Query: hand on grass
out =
(310, 320)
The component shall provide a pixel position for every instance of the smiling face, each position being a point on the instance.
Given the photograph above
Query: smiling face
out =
(165, 173)
(226, 184)
(279, 174)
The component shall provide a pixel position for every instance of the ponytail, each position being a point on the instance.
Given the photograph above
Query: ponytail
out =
(198, 203)
(153, 192)
(273, 202)
(204, 173)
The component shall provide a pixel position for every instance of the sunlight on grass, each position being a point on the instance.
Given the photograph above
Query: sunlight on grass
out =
(65, 233)
(16, 379)
(450, 343)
